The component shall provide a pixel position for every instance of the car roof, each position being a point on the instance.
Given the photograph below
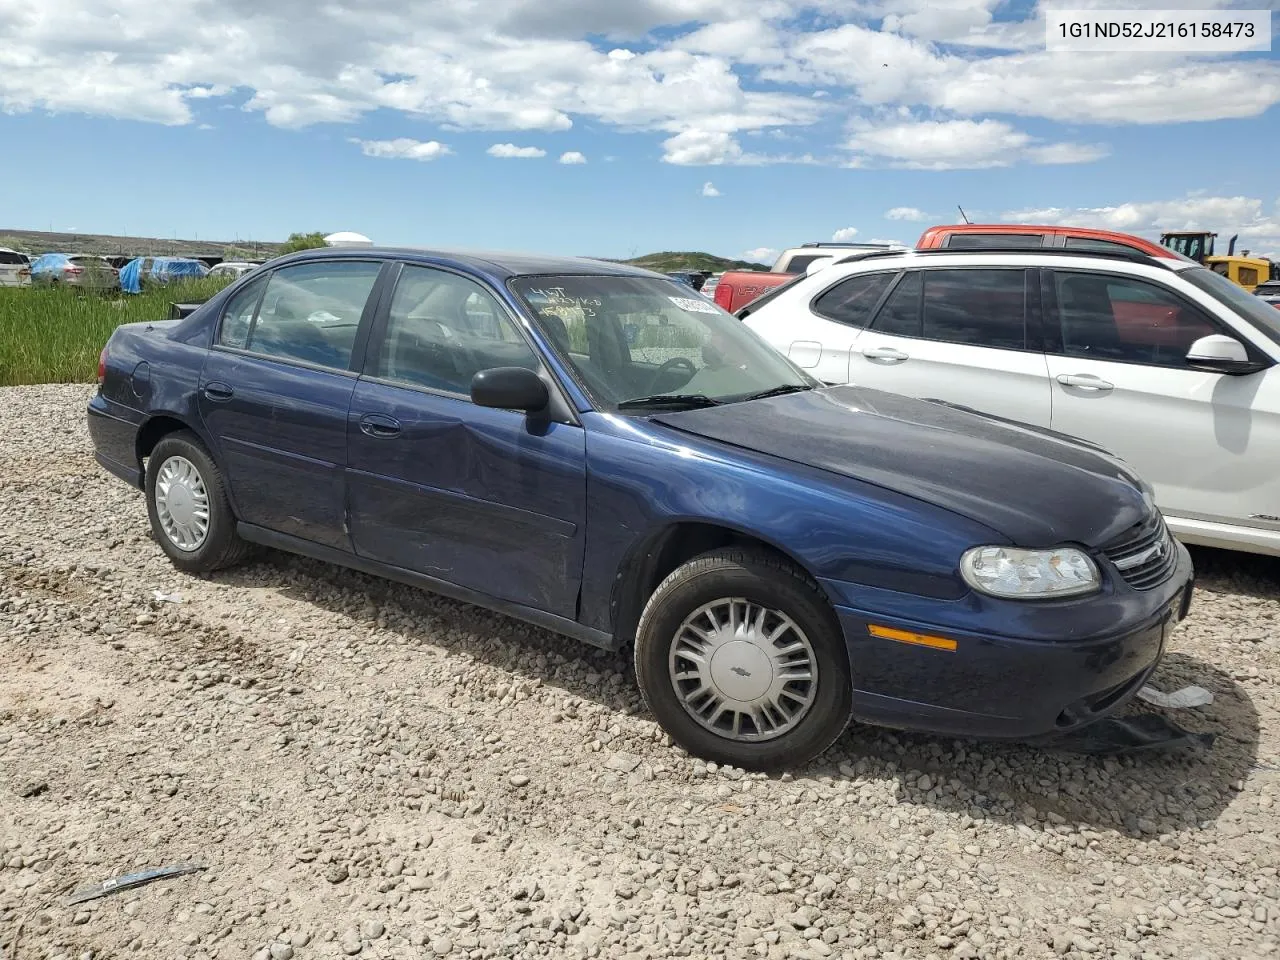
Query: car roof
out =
(497, 265)
(965, 256)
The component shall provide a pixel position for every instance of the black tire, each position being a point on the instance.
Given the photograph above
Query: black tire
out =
(762, 578)
(222, 547)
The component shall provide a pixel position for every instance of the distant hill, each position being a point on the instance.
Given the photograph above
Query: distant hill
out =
(35, 242)
(669, 261)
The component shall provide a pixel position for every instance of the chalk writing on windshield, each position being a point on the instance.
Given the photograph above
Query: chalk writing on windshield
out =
(554, 300)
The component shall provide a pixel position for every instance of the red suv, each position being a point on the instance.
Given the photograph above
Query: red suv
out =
(986, 236)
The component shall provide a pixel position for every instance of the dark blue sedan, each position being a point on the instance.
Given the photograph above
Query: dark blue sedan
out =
(594, 449)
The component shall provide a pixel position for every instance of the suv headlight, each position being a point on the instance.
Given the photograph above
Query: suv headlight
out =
(1017, 574)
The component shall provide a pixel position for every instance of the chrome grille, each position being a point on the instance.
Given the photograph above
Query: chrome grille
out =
(1145, 554)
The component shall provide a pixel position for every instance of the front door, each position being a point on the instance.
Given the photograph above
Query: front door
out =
(490, 500)
(1208, 443)
(275, 391)
(962, 335)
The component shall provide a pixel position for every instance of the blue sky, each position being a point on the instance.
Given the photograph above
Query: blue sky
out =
(447, 125)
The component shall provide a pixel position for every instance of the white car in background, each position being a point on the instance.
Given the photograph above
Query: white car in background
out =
(1164, 363)
(232, 269)
(15, 268)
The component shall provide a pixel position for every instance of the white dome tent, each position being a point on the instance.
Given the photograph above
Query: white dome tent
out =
(346, 238)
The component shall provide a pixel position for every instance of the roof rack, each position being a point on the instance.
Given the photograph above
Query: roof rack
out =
(875, 246)
(1133, 256)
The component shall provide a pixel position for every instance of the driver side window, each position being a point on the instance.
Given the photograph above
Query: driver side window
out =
(442, 330)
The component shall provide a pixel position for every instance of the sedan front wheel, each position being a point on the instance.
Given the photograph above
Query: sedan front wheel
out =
(742, 661)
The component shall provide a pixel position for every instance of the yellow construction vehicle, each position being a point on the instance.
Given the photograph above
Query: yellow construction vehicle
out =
(1244, 270)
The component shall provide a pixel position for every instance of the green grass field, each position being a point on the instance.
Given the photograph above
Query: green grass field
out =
(54, 335)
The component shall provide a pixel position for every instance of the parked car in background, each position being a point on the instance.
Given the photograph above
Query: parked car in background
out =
(15, 268)
(1162, 361)
(1269, 292)
(690, 278)
(592, 448)
(149, 271)
(75, 270)
(709, 285)
(232, 269)
(1021, 236)
(737, 288)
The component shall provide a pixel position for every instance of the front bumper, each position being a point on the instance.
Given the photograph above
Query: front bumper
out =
(1012, 687)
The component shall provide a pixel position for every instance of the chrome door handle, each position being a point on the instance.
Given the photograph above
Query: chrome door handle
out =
(885, 355)
(1085, 381)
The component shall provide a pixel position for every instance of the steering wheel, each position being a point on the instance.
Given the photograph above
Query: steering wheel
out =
(671, 365)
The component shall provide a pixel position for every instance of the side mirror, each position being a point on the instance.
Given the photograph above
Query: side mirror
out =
(509, 388)
(1219, 354)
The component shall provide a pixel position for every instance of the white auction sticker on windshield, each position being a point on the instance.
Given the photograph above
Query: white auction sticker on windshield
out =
(693, 306)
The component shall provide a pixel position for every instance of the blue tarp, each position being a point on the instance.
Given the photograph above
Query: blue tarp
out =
(48, 262)
(159, 269)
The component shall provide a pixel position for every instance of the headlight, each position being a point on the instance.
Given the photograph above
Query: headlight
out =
(1029, 574)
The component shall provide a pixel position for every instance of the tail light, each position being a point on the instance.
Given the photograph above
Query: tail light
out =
(724, 295)
(24, 273)
(73, 271)
(102, 366)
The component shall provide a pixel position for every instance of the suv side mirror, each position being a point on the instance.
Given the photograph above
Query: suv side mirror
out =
(1219, 354)
(509, 388)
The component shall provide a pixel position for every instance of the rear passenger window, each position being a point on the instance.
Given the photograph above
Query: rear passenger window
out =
(900, 315)
(1105, 246)
(993, 241)
(310, 312)
(981, 308)
(851, 301)
(442, 330)
(237, 316)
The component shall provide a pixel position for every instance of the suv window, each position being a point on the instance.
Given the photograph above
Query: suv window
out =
(1089, 243)
(900, 315)
(993, 241)
(979, 308)
(442, 330)
(852, 300)
(310, 312)
(1105, 317)
(800, 262)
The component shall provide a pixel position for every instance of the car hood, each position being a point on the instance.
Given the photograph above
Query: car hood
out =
(1035, 487)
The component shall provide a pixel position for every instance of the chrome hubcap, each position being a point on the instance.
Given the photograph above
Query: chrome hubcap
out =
(182, 503)
(743, 671)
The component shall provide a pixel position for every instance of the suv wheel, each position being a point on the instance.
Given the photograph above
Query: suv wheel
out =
(742, 661)
(187, 502)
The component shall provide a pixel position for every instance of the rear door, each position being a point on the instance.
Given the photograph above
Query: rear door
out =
(1208, 443)
(275, 392)
(966, 335)
(490, 500)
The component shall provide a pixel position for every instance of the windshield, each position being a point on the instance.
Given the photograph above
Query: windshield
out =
(1264, 317)
(632, 340)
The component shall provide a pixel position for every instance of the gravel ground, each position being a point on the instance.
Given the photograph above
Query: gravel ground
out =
(366, 770)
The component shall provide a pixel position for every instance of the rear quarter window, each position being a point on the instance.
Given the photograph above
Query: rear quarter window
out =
(992, 241)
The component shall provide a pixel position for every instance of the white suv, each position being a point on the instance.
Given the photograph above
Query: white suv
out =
(1166, 364)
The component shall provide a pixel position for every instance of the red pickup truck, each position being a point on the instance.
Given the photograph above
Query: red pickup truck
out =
(738, 288)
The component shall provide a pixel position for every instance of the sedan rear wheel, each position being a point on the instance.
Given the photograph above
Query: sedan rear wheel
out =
(187, 502)
(742, 661)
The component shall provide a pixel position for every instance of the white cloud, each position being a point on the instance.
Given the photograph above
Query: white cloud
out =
(572, 157)
(761, 255)
(906, 213)
(844, 234)
(958, 144)
(402, 148)
(709, 190)
(891, 243)
(698, 74)
(509, 151)
(1245, 216)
